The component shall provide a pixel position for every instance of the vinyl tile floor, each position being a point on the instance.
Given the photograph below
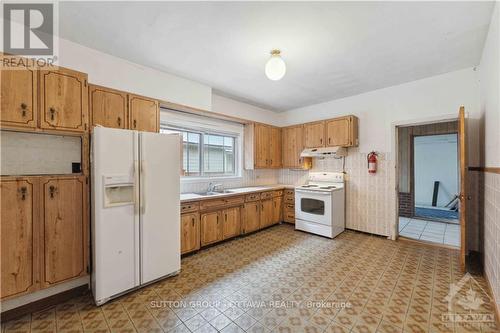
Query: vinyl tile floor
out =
(282, 280)
(436, 232)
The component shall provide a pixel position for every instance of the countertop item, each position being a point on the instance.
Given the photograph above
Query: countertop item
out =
(185, 197)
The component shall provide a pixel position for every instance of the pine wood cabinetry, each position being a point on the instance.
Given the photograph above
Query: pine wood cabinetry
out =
(262, 146)
(314, 134)
(19, 236)
(144, 113)
(342, 132)
(231, 225)
(108, 107)
(293, 145)
(190, 232)
(64, 230)
(277, 210)
(211, 228)
(251, 216)
(266, 212)
(43, 232)
(19, 94)
(289, 206)
(63, 100)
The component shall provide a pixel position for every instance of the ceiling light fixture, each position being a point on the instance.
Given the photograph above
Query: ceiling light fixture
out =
(275, 66)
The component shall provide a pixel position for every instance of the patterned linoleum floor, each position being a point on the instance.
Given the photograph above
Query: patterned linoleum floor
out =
(280, 280)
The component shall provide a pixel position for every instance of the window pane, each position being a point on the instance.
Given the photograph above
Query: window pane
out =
(191, 150)
(218, 155)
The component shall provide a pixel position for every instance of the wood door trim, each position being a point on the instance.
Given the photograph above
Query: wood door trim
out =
(485, 169)
(463, 181)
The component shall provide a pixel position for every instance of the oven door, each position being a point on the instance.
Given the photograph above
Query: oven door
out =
(313, 206)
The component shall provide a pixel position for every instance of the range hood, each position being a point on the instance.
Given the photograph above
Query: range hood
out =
(324, 152)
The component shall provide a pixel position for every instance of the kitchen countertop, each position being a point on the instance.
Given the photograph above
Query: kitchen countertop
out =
(185, 197)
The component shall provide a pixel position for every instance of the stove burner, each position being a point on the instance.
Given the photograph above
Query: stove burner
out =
(328, 187)
(308, 186)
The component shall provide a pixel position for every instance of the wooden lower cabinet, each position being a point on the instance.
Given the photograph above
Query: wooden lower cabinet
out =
(251, 217)
(43, 232)
(190, 232)
(231, 225)
(210, 228)
(64, 229)
(266, 212)
(19, 236)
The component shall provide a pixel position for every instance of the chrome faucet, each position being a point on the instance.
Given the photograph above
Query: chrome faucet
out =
(212, 187)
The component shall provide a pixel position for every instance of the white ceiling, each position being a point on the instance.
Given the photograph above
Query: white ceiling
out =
(332, 49)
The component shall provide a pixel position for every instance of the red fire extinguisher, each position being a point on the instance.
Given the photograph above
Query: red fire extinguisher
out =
(372, 162)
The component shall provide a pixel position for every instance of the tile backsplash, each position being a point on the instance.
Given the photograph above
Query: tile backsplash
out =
(370, 198)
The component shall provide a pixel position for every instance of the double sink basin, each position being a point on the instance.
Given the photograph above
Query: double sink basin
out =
(227, 191)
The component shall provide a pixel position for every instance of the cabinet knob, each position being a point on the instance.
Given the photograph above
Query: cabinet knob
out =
(52, 111)
(24, 192)
(329, 140)
(52, 191)
(24, 107)
(135, 123)
(192, 221)
(119, 121)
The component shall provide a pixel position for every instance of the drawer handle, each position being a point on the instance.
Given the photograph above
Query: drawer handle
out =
(192, 221)
(52, 191)
(24, 192)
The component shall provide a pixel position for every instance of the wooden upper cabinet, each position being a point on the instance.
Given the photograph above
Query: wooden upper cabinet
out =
(144, 114)
(63, 100)
(19, 94)
(251, 217)
(108, 107)
(342, 132)
(231, 225)
(293, 145)
(19, 241)
(314, 134)
(64, 228)
(210, 228)
(190, 232)
(262, 146)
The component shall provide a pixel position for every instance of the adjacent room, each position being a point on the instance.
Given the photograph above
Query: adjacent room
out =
(267, 166)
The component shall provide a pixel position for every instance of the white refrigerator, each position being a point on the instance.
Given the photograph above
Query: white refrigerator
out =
(135, 210)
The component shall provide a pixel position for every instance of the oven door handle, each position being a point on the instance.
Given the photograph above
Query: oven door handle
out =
(313, 192)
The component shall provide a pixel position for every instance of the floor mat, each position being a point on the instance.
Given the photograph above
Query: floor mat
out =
(436, 213)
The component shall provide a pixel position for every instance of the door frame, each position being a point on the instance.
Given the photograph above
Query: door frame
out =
(395, 140)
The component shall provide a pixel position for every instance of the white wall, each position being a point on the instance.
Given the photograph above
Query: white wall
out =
(246, 111)
(436, 159)
(110, 71)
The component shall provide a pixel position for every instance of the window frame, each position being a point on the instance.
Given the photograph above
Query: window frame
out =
(237, 140)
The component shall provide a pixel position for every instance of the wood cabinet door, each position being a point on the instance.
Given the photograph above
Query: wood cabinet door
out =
(314, 134)
(261, 146)
(19, 265)
(190, 232)
(275, 147)
(231, 224)
(337, 132)
(293, 145)
(144, 114)
(64, 231)
(108, 107)
(277, 209)
(63, 100)
(251, 217)
(18, 99)
(266, 213)
(211, 228)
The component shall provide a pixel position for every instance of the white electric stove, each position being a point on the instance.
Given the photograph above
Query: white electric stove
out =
(320, 204)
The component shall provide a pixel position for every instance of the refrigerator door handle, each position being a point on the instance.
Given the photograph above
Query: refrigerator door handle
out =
(136, 186)
(143, 187)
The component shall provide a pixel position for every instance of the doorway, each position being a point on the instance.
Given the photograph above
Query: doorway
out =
(429, 183)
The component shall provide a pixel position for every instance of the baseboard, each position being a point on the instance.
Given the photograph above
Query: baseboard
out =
(43, 303)
(495, 304)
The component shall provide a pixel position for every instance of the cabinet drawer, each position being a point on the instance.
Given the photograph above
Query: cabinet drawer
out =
(266, 195)
(230, 201)
(290, 207)
(277, 193)
(289, 199)
(289, 192)
(190, 207)
(252, 197)
(289, 217)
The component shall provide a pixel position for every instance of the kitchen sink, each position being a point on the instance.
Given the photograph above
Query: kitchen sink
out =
(215, 192)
